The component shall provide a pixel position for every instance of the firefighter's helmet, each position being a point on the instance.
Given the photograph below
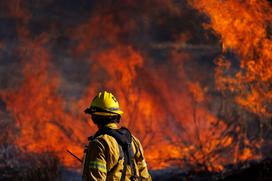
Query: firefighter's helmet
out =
(104, 104)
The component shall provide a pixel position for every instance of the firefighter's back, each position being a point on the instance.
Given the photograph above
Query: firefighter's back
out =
(105, 160)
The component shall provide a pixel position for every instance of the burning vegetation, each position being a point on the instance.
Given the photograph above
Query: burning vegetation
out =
(194, 79)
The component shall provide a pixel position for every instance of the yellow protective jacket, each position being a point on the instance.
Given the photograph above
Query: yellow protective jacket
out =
(104, 162)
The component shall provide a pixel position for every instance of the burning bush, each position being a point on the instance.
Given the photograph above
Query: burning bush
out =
(16, 164)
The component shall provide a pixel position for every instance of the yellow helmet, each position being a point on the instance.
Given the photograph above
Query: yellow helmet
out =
(104, 104)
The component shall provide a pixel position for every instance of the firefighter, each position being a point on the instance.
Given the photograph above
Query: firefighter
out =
(112, 153)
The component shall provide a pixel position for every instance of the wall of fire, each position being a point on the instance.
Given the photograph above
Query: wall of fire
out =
(193, 77)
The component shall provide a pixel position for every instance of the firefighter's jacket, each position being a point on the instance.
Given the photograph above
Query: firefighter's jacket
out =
(105, 161)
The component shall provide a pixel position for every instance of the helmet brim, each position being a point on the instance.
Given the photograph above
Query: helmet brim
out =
(102, 113)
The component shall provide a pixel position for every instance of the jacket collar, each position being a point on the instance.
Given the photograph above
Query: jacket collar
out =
(112, 125)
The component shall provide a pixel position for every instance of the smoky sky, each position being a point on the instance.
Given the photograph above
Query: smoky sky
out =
(154, 24)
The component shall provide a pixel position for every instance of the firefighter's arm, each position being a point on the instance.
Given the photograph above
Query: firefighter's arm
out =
(97, 162)
(141, 163)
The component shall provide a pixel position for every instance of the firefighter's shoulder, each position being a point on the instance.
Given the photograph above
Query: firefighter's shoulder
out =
(108, 143)
(138, 149)
(105, 139)
(136, 142)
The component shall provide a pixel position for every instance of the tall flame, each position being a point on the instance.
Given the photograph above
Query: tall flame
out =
(244, 29)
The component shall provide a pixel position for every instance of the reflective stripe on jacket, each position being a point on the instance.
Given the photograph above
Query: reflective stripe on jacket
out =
(104, 161)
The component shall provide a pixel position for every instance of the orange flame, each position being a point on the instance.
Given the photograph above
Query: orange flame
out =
(243, 28)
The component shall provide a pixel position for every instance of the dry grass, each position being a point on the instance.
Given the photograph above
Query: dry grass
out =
(18, 165)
